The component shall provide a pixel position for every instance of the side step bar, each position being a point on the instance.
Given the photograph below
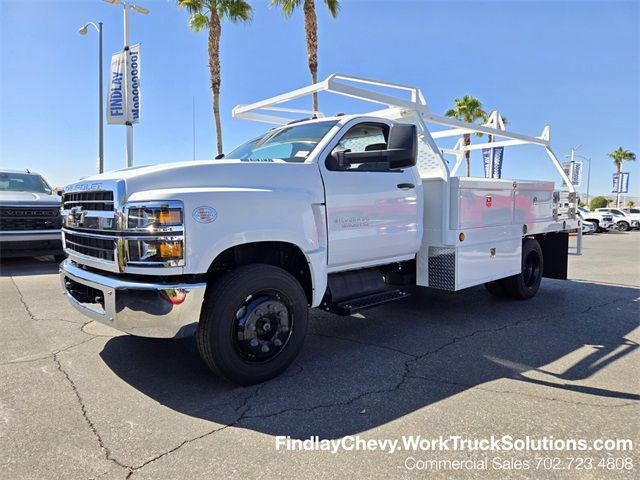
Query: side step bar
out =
(349, 307)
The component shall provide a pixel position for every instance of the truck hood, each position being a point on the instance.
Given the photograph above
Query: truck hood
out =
(29, 198)
(216, 173)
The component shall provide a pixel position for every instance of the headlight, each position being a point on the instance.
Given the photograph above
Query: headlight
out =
(154, 217)
(156, 234)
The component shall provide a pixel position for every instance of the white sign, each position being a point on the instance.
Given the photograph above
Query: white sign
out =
(115, 96)
(133, 84)
(574, 172)
(620, 182)
(124, 76)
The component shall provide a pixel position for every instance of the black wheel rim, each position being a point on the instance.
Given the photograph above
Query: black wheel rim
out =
(263, 326)
(531, 271)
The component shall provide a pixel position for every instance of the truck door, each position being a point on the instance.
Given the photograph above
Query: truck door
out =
(373, 213)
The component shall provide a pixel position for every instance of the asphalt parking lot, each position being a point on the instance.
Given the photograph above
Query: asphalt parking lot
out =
(79, 400)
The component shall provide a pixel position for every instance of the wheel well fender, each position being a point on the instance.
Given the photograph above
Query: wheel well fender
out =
(285, 255)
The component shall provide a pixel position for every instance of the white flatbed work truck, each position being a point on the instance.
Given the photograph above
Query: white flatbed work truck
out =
(338, 213)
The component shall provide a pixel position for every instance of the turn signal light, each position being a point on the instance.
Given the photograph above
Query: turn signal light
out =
(170, 250)
(461, 237)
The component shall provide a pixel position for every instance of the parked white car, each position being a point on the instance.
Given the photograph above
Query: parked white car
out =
(588, 227)
(603, 221)
(625, 221)
(338, 213)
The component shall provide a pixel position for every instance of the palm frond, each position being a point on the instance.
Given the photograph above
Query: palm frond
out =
(198, 21)
(333, 6)
(192, 6)
(235, 10)
(288, 6)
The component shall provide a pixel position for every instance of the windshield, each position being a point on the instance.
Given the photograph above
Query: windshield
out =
(23, 182)
(289, 144)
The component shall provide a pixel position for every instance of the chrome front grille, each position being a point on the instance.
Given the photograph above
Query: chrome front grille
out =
(92, 214)
(96, 230)
(100, 247)
(92, 200)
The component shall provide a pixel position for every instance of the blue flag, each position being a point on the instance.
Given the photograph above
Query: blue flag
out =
(493, 162)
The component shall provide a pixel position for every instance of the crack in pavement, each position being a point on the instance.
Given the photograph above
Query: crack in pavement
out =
(361, 342)
(37, 319)
(245, 404)
(407, 372)
(48, 355)
(245, 407)
(511, 392)
(85, 415)
(405, 376)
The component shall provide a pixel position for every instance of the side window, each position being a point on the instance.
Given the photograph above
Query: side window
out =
(366, 137)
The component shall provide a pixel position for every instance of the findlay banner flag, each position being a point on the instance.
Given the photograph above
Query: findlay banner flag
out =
(620, 182)
(493, 162)
(123, 97)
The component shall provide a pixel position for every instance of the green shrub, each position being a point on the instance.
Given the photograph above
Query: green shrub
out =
(598, 202)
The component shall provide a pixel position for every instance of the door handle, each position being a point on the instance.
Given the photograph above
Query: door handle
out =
(405, 186)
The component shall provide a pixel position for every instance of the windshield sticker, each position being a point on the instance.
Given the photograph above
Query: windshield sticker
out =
(204, 214)
(302, 153)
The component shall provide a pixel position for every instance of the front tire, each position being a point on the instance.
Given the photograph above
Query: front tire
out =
(253, 324)
(623, 226)
(526, 284)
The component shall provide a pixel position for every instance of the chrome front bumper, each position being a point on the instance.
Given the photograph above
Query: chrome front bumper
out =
(142, 309)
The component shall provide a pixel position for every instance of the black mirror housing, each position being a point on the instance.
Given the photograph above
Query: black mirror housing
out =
(403, 146)
(338, 159)
(401, 152)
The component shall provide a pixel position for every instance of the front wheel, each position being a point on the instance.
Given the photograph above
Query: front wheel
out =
(253, 324)
(526, 284)
(623, 226)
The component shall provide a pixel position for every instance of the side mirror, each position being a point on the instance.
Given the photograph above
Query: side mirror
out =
(403, 146)
(338, 159)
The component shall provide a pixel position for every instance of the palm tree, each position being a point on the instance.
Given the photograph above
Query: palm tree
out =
(311, 30)
(468, 109)
(619, 156)
(209, 14)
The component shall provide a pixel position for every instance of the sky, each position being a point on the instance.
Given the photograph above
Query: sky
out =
(573, 65)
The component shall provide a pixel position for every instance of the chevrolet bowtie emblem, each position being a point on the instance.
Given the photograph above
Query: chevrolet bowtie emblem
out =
(77, 213)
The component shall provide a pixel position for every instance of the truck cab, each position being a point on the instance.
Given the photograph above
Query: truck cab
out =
(338, 212)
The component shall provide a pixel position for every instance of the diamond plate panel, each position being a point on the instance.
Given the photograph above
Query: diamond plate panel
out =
(442, 268)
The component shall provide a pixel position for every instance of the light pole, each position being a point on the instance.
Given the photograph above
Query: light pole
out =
(126, 7)
(83, 31)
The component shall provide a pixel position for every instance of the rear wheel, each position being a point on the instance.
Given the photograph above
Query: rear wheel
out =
(527, 283)
(253, 324)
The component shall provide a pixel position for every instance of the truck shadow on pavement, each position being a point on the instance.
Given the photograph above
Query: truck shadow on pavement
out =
(16, 267)
(357, 373)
